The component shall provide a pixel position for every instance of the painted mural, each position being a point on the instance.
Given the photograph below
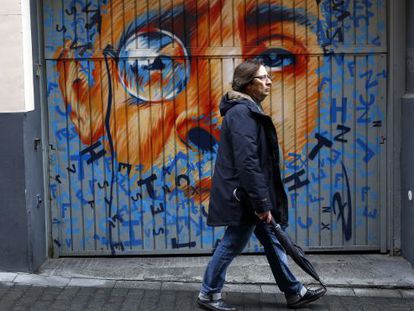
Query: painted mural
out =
(133, 89)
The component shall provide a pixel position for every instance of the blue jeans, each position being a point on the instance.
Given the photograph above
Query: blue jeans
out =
(234, 240)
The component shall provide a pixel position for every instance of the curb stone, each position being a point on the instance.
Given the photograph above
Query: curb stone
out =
(21, 280)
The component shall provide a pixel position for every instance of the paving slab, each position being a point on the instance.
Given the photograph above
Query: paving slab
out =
(138, 284)
(377, 292)
(242, 288)
(7, 276)
(178, 286)
(269, 289)
(407, 293)
(84, 282)
(39, 280)
(340, 291)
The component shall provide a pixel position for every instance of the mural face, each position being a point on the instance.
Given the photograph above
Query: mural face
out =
(165, 97)
(137, 85)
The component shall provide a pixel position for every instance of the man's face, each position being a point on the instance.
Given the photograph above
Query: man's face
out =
(260, 86)
(165, 67)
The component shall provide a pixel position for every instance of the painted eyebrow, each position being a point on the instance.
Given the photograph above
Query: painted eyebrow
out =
(264, 14)
(147, 18)
(152, 16)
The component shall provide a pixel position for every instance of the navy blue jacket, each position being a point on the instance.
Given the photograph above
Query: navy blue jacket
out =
(246, 176)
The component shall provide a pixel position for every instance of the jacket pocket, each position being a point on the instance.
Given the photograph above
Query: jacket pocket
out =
(240, 196)
(236, 195)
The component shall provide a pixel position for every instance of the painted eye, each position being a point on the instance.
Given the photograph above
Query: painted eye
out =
(277, 59)
(156, 71)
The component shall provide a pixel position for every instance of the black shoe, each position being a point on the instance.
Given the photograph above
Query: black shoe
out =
(311, 295)
(215, 305)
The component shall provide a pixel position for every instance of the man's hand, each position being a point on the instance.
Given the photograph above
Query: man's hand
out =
(266, 216)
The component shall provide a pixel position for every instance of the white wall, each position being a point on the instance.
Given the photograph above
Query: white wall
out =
(16, 65)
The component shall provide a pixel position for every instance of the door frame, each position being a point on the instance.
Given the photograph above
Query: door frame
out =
(391, 237)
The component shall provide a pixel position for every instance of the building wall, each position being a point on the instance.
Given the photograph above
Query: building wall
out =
(13, 225)
(22, 212)
(16, 84)
(22, 218)
(407, 164)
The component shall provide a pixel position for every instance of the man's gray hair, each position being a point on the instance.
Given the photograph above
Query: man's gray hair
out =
(244, 74)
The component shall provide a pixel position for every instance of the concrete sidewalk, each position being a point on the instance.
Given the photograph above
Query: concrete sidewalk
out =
(345, 275)
(73, 298)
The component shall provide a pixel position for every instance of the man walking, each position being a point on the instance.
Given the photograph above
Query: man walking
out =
(247, 189)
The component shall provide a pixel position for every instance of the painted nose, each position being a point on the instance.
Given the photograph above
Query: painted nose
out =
(201, 139)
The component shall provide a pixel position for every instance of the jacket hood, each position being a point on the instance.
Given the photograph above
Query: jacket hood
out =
(233, 98)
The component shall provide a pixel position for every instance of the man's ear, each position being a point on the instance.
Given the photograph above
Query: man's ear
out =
(82, 94)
